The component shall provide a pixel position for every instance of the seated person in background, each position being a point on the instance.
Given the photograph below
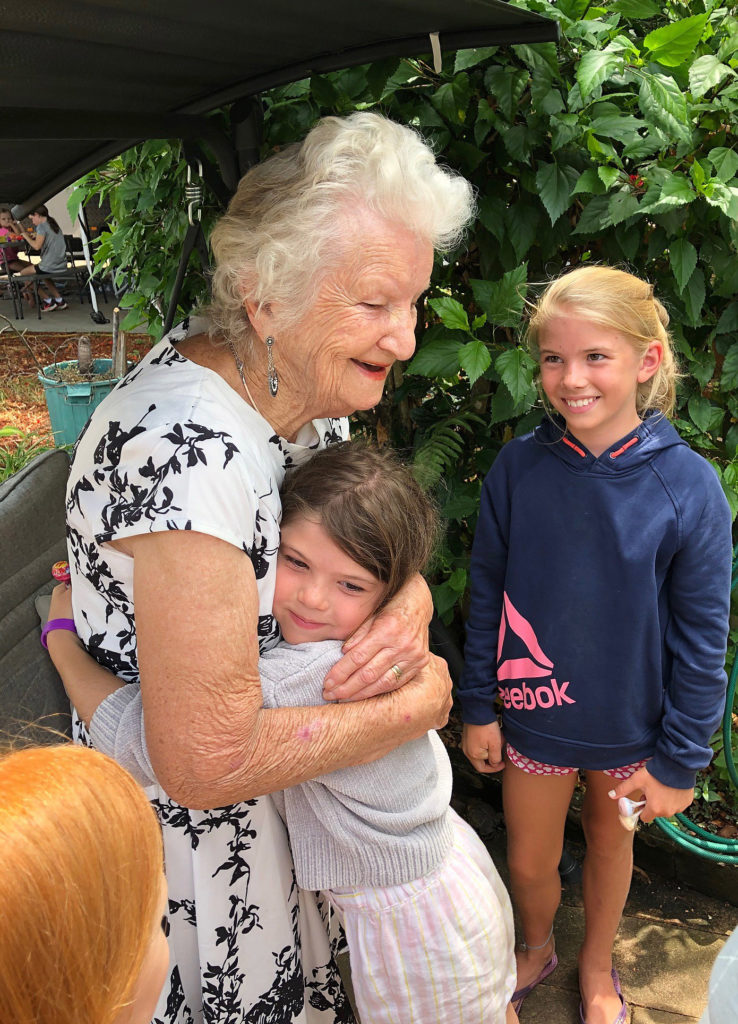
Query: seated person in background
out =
(49, 241)
(373, 837)
(11, 251)
(82, 891)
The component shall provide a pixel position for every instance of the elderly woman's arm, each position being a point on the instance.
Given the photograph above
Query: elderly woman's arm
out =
(210, 741)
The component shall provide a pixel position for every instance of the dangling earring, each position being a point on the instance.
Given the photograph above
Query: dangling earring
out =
(271, 371)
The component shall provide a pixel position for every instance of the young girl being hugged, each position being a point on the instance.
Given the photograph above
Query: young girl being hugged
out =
(599, 614)
(427, 918)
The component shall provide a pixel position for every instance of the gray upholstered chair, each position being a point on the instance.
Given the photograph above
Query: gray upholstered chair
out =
(33, 705)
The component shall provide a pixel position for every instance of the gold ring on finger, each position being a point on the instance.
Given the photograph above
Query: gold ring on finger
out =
(397, 670)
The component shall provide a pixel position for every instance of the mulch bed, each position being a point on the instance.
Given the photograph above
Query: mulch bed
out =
(22, 402)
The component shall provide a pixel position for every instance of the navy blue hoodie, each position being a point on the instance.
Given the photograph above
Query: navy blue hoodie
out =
(600, 593)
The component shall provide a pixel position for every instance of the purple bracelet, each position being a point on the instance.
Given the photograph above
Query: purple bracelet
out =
(56, 624)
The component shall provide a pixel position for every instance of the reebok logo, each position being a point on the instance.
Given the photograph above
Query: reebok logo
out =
(535, 665)
(542, 697)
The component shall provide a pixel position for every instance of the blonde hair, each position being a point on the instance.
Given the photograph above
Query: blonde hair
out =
(80, 878)
(620, 302)
(286, 227)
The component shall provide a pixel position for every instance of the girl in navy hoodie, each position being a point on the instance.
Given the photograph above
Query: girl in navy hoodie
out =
(600, 587)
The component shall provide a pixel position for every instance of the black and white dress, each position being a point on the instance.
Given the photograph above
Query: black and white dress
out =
(173, 447)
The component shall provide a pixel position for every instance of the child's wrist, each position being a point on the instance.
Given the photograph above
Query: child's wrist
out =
(60, 640)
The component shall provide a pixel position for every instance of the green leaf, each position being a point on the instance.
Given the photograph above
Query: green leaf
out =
(635, 10)
(554, 188)
(502, 406)
(471, 58)
(564, 129)
(507, 84)
(662, 102)
(323, 90)
(438, 357)
(521, 222)
(731, 440)
(728, 324)
(694, 297)
(378, 74)
(724, 162)
(704, 414)
(702, 367)
(622, 205)
(591, 181)
(623, 127)
(475, 359)
(595, 67)
(503, 300)
(452, 313)
(552, 102)
(729, 374)
(518, 141)
(492, 215)
(676, 191)
(707, 73)
(452, 99)
(594, 217)
(608, 175)
(629, 238)
(675, 43)
(725, 197)
(683, 260)
(516, 368)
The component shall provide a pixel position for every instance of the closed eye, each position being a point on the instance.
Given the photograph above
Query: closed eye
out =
(353, 588)
(297, 563)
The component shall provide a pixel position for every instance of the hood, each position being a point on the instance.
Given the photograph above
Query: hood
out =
(640, 446)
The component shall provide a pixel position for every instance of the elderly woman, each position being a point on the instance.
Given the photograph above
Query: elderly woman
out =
(173, 522)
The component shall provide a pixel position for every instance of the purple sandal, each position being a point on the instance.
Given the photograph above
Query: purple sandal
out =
(519, 994)
(623, 1015)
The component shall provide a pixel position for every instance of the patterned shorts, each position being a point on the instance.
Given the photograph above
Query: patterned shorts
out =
(527, 764)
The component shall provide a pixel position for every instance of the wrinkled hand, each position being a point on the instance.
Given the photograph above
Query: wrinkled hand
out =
(61, 602)
(483, 745)
(432, 689)
(661, 801)
(397, 635)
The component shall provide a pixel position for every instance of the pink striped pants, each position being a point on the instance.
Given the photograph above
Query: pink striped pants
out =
(438, 950)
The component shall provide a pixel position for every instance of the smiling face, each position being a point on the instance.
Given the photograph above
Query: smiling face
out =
(590, 376)
(6, 220)
(337, 358)
(320, 593)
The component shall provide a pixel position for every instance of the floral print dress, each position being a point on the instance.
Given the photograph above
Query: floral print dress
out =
(173, 447)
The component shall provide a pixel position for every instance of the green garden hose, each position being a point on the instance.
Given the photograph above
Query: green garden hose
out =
(686, 834)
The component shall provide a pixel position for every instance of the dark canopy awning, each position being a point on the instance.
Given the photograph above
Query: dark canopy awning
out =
(81, 80)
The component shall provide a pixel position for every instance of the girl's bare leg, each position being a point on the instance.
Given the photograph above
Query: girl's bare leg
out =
(606, 875)
(535, 814)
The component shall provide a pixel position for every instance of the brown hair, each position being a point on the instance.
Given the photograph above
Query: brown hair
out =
(80, 878)
(620, 302)
(42, 211)
(371, 505)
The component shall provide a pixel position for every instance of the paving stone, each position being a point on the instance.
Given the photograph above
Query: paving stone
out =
(664, 966)
(645, 1015)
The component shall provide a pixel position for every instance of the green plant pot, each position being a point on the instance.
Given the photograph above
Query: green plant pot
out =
(71, 405)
